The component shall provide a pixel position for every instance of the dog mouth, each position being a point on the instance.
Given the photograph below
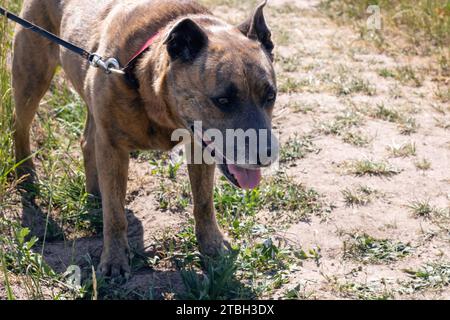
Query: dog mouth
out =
(243, 178)
(247, 179)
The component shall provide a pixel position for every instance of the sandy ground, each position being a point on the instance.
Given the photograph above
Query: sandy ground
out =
(321, 48)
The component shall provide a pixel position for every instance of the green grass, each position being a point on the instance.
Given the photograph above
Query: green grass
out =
(430, 276)
(374, 290)
(296, 148)
(421, 22)
(218, 283)
(18, 258)
(355, 85)
(291, 85)
(288, 64)
(408, 126)
(260, 264)
(6, 108)
(442, 93)
(340, 125)
(301, 107)
(60, 190)
(402, 151)
(423, 164)
(356, 138)
(438, 216)
(360, 196)
(387, 114)
(371, 168)
(367, 249)
(405, 74)
(422, 209)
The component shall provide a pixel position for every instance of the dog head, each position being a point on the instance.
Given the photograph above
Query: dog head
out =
(222, 76)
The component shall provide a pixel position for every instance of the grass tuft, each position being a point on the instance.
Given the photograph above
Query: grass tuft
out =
(402, 151)
(367, 249)
(371, 168)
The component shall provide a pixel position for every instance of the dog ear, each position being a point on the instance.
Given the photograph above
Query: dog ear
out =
(256, 28)
(185, 41)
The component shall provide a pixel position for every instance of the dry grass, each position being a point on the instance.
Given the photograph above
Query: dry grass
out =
(417, 20)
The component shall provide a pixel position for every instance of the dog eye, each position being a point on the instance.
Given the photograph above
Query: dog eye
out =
(222, 102)
(271, 96)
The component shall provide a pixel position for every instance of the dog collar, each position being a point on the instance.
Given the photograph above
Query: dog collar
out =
(129, 68)
(144, 48)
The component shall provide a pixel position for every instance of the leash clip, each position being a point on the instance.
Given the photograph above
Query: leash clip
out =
(111, 65)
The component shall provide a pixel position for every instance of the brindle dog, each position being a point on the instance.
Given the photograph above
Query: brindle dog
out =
(199, 68)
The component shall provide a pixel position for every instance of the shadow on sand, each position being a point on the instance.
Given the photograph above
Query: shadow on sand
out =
(145, 282)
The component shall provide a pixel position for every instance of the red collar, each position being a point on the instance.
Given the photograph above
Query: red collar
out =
(138, 54)
(129, 68)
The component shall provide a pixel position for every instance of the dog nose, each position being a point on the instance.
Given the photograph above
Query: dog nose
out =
(267, 158)
(268, 154)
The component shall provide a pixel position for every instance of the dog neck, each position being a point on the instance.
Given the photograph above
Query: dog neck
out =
(151, 72)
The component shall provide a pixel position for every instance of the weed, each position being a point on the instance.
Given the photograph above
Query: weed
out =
(356, 138)
(360, 196)
(422, 209)
(403, 151)
(373, 290)
(341, 123)
(386, 114)
(423, 164)
(408, 126)
(430, 276)
(367, 249)
(296, 148)
(371, 168)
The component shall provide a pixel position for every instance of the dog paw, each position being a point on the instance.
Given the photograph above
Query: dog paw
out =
(115, 263)
(213, 244)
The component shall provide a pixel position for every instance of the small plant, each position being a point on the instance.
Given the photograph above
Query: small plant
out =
(289, 64)
(296, 148)
(374, 290)
(430, 276)
(346, 83)
(305, 108)
(361, 196)
(355, 85)
(367, 249)
(371, 168)
(408, 126)
(403, 151)
(356, 138)
(291, 85)
(218, 283)
(404, 74)
(386, 73)
(443, 94)
(18, 257)
(423, 164)
(407, 75)
(386, 114)
(298, 293)
(292, 202)
(422, 209)
(341, 123)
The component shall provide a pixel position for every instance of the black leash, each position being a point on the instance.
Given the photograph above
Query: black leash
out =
(110, 65)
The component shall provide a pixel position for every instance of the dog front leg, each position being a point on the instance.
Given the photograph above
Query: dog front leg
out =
(210, 238)
(112, 165)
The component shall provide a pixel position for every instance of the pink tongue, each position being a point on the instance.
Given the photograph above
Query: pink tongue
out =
(247, 179)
